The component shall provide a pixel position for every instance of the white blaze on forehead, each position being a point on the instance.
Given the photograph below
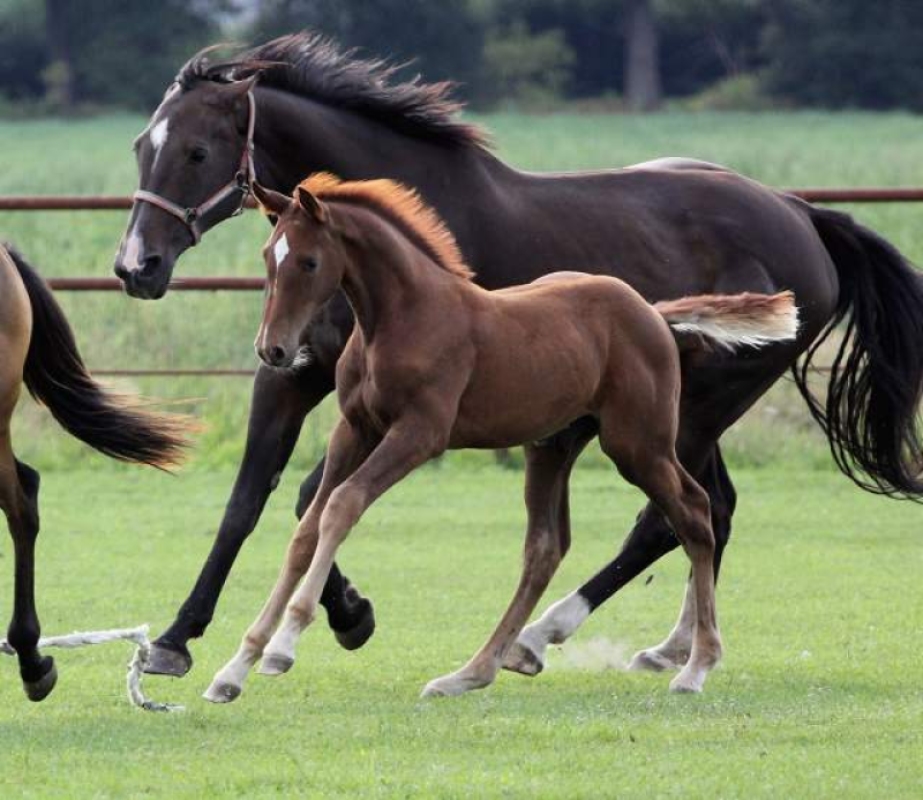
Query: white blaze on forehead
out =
(159, 134)
(280, 250)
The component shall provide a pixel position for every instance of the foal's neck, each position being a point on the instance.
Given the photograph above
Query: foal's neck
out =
(387, 277)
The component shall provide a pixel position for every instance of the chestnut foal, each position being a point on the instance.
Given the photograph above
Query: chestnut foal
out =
(437, 363)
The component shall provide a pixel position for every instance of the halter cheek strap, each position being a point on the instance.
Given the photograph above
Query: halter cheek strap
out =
(240, 183)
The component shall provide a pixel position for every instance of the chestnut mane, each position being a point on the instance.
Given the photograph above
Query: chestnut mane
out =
(401, 206)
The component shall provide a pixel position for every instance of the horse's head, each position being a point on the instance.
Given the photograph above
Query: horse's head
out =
(305, 262)
(195, 166)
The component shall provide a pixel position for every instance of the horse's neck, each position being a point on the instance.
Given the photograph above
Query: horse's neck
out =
(296, 136)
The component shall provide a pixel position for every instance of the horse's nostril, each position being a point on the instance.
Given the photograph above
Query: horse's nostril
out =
(150, 265)
(121, 271)
(277, 355)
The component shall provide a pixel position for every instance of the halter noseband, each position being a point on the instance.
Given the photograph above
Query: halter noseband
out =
(241, 182)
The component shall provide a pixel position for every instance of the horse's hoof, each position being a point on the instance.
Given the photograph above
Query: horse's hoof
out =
(523, 660)
(687, 683)
(361, 632)
(275, 664)
(168, 659)
(651, 661)
(38, 690)
(222, 693)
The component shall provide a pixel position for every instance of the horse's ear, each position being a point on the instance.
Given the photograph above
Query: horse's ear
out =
(240, 106)
(273, 203)
(311, 205)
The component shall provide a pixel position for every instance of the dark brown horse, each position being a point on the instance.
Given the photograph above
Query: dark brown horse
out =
(668, 228)
(435, 363)
(37, 348)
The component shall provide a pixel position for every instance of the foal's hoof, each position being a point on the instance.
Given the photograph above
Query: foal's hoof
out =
(222, 693)
(38, 690)
(651, 661)
(353, 638)
(453, 685)
(523, 660)
(275, 664)
(170, 659)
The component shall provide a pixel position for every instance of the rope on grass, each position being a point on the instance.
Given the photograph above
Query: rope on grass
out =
(135, 667)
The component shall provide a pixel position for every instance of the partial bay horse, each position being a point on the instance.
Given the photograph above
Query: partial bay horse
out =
(669, 228)
(37, 348)
(436, 362)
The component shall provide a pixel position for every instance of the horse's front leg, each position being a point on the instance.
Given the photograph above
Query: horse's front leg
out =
(405, 447)
(347, 448)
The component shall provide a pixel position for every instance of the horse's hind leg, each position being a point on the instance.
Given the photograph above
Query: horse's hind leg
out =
(547, 540)
(19, 500)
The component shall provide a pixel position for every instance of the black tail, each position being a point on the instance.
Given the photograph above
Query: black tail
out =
(56, 376)
(870, 413)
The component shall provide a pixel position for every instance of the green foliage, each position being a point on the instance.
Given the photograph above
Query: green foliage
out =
(818, 694)
(847, 53)
(744, 92)
(525, 68)
(23, 53)
(443, 40)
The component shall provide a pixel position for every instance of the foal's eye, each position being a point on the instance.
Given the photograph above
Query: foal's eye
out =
(309, 264)
(198, 154)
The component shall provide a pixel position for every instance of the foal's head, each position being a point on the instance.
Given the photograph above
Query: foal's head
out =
(305, 261)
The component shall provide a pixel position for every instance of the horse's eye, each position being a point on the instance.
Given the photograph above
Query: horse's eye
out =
(198, 155)
(309, 264)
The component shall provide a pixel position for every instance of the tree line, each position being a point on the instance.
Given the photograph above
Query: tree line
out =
(66, 54)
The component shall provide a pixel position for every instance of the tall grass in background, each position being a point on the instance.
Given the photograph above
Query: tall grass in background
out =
(216, 329)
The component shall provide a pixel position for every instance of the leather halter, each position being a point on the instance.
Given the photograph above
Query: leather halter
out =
(241, 182)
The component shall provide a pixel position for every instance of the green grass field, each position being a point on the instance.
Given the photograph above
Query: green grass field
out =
(820, 605)
(819, 693)
(189, 330)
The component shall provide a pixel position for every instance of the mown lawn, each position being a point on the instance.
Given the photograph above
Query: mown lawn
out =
(819, 693)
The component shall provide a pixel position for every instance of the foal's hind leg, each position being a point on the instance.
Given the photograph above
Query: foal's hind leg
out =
(685, 505)
(547, 540)
(19, 500)
(673, 652)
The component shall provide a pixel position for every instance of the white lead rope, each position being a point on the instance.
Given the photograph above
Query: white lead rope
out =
(135, 667)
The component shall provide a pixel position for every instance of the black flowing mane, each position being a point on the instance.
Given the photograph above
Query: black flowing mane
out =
(313, 66)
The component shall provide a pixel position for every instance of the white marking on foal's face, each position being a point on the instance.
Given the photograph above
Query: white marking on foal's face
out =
(280, 250)
(159, 134)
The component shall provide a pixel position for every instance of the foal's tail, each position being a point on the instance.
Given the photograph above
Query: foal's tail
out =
(55, 375)
(870, 412)
(732, 321)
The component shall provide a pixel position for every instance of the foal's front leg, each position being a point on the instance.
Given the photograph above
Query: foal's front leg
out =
(345, 452)
(404, 448)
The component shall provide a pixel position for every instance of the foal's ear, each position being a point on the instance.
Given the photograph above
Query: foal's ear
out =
(311, 205)
(273, 203)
